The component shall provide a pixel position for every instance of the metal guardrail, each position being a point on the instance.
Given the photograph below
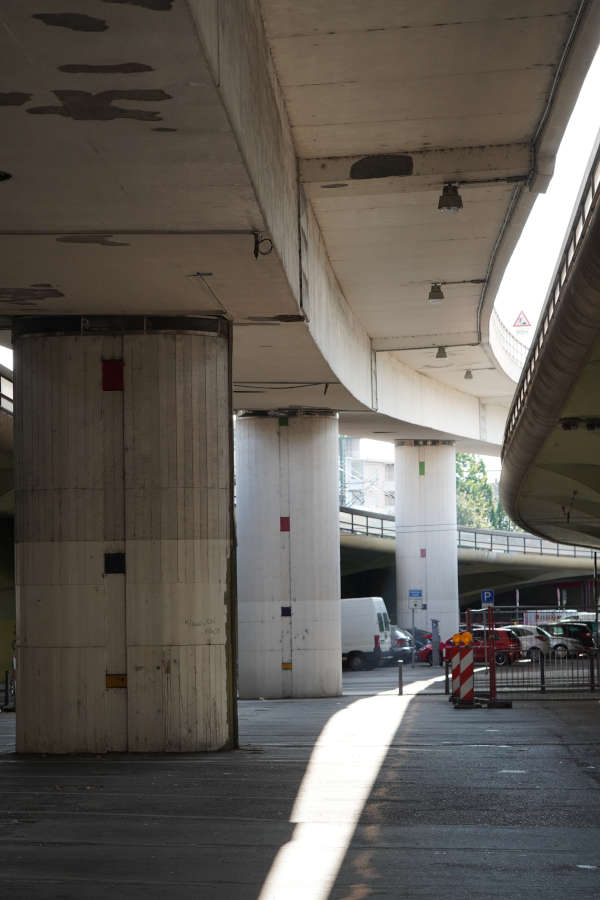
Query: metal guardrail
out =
(543, 675)
(517, 542)
(504, 343)
(363, 522)
(357, 521)
(586, 204)
(6, 394)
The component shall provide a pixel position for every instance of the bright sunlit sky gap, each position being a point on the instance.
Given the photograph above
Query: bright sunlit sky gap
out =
(527, 276)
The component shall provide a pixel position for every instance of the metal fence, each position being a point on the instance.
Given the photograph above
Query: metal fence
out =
(516, 542)
(356, 521)
(545, 675)
(360, 521)
(6, 394)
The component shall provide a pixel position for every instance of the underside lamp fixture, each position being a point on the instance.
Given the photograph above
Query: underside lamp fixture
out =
(441, 353)
(450, 200)
(468, 375)
(436, 294)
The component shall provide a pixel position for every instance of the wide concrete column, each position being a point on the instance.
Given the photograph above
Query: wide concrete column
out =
(124, 549)
(426, 554)
(289, 642)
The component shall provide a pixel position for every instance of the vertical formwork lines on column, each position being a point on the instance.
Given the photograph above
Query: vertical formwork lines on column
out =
(285, 576)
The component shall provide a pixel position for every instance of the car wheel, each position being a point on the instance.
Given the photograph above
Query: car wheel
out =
(501, 658)
(534, 654)
(429, 659)
(561, 651)
(355, 662)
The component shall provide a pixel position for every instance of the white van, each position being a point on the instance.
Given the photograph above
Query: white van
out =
(366, 639)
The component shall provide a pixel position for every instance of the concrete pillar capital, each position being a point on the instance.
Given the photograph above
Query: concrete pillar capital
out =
(29, 326)
(288, 412)
(423, 443)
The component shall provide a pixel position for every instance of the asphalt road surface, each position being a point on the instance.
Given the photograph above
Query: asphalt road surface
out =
(369, 795)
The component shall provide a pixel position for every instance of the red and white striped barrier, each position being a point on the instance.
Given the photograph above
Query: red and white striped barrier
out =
(465, 694)
(455, 671)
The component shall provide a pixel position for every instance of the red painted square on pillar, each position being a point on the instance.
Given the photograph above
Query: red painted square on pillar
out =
(284, 523)
(112, 374)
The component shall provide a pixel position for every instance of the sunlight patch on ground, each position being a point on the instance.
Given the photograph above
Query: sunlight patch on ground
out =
(338, 781)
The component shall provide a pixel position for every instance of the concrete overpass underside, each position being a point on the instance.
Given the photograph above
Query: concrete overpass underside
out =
(477, 569)
(292, 210)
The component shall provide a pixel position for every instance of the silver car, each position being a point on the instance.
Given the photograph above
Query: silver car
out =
(535, 642)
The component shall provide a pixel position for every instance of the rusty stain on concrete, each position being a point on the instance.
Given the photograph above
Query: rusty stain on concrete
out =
(85, 106)
(75, 21)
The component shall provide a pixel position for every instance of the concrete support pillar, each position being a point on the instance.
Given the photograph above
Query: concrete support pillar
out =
(426, 554)
(289, 640)
(124, 551)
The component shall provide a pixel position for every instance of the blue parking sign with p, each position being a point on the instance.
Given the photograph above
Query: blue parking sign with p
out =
(487, 598)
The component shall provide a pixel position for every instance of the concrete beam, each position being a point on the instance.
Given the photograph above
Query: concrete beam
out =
(416, 171)
(422, 341)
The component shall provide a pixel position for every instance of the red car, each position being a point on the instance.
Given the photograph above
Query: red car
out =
(507, 646)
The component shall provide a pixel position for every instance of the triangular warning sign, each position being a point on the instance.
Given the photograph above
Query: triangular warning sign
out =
(522, 321)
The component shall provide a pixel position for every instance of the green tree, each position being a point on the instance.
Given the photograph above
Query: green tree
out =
(475, 506)
(500, 520)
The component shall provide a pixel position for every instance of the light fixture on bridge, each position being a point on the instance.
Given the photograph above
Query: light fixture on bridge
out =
(436, 294)
(450, 200)
(468, 375)
(441, 353)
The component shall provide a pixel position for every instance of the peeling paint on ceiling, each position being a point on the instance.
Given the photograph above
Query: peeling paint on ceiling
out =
(86, 106)
(14, 98)
(75, 21)
(28, 296)
(104, 240)
(128, 68)
(155, 5)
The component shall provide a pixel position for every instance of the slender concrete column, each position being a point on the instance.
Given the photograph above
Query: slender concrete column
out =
(426, 556)
(124, 550)
(289, 642)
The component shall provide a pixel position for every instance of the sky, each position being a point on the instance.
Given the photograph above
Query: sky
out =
(527, 276)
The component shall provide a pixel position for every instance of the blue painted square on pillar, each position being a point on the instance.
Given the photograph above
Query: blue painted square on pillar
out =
(114, 563)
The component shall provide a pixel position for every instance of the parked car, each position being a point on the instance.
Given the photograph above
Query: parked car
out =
(588, 617)
(569, 638)
(403, 645)
(365, 632)
(507, 646)
(535, 642)
(424, 650)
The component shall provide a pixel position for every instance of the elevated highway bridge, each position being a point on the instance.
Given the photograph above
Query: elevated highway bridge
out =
(298, 212)
(501, 560)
